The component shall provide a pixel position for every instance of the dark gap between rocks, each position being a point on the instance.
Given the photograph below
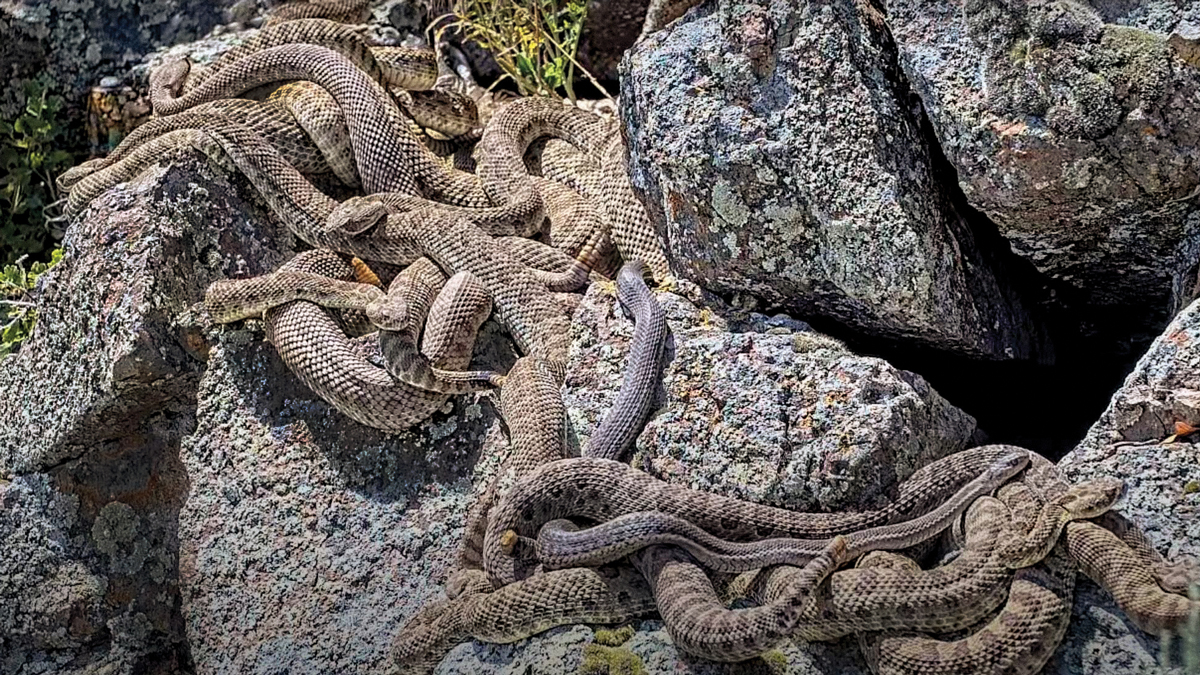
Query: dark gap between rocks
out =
(1044, 407)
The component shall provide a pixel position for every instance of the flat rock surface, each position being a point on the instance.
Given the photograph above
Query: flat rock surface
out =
(774, 143)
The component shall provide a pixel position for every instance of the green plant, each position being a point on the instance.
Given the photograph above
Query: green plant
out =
(17, 313)
(533, 41)
(30, 159)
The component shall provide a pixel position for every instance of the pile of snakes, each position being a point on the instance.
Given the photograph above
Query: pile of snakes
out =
(451, 227)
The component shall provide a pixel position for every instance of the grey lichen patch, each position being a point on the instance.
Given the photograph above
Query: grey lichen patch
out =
(116, 534)
(728, 205)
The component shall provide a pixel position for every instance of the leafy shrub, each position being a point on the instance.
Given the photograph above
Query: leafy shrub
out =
(17, 313)
(31, 157)
(533, 41)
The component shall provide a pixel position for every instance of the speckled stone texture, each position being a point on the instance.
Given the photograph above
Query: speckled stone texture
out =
(94, 407)
(1161, 390)
(777, 416)
(772, 413)
(1071, 125)
(303, 525)
(77, 42)
(775, 142)
(110, 348)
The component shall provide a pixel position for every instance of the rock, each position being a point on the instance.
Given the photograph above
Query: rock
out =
(74, 602)
(1063, 123)
(786, 418)
(303, 524)
(109, 352)
(75, 43)
(791, 419)
(107, 388)
(1124, 444)
(774, 142)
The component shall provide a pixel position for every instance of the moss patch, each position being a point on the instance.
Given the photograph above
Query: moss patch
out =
(601, 660)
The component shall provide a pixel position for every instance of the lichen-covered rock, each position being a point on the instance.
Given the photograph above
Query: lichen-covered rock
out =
(303, 524)
(774, 142)
(791, 419)
(67, 606)
(76, 43)
(1124, 443)
(109, 351)
(94, 407)
(785, 417)
(1073, 127)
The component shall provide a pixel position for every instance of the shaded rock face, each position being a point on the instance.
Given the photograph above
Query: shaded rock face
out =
(76, 43)
(773, 142)
(610, 28)
(1071, 125)
(1124, 443)
(95, 405)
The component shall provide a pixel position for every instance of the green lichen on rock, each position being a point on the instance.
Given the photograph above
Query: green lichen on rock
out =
(601, 660)
(776, 661)
(614, 637)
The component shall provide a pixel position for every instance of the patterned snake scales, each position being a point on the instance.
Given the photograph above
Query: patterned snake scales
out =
(671, 531)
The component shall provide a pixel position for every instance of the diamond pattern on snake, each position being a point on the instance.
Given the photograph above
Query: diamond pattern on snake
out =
(554, 539)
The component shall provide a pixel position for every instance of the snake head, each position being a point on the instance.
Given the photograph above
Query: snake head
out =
(388, 313)
(356, 215)
(1092, 498)
(170, 76)
(1008, 466)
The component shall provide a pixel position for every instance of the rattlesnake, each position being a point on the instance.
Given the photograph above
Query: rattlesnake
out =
(619, 429)
(598, 489)
(389, 66)
(314, 346)
(560, 544)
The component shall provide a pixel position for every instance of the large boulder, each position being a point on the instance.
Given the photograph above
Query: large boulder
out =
(1072, 126)
(759, 409)
(778, 148)
(95, 406)
(1161, 494)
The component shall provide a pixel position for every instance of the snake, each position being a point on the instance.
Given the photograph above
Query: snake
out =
(389, 158)
(643, 370)
(560, 544)
(401, 67)
(598, 489)
(314, 346)
(346, 11)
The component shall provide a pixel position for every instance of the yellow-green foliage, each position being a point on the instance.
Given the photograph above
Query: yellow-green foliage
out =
(614, 638)
(533, 41)
(31, 157)
(601, 660)
(17, 313)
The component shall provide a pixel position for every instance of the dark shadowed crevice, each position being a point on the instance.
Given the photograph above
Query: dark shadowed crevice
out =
(1046, 407)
